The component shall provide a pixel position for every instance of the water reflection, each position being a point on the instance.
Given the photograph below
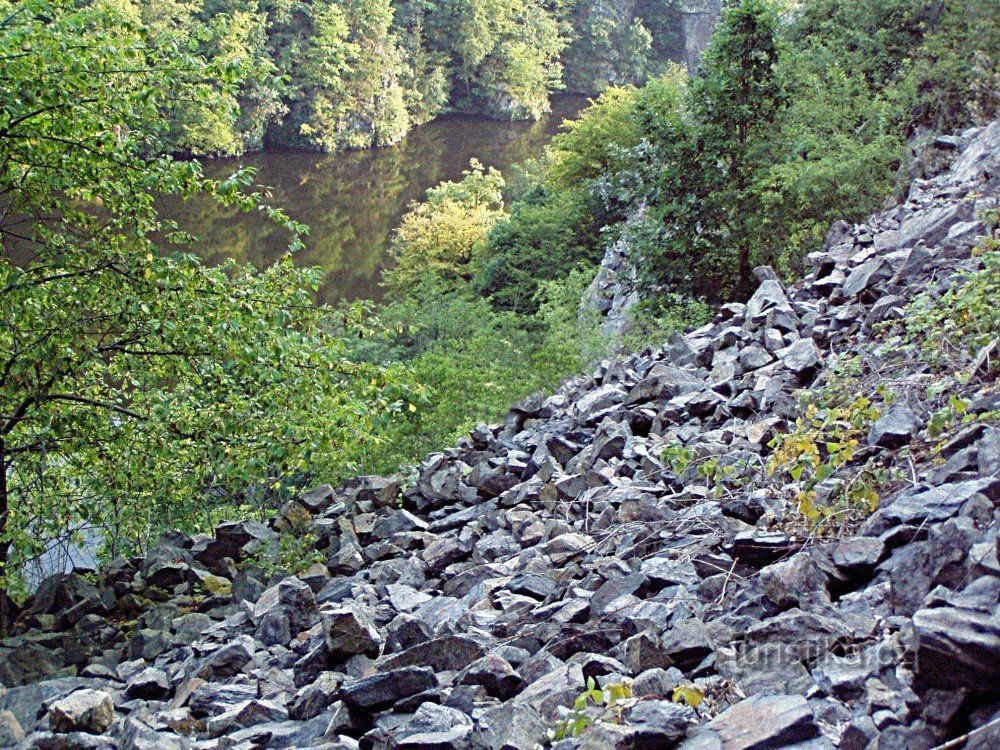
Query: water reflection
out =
(353, 201)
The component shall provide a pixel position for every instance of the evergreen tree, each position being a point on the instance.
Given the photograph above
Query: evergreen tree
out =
(735, 101)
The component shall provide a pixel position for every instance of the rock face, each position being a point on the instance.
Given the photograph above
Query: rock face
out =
(699, 19)
(624, 530)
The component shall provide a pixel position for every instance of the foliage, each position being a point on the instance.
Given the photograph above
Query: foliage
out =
(137, 388)
(607, 700)
(475, 361)
(338, 74)
(546, 235)
(689, 695)
(826, 438)
(295, 553)
(965, 318)
(439, 236)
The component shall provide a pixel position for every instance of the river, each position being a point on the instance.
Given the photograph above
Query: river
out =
(353, 201)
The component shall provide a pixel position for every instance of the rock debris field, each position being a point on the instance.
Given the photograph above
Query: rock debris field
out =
(625, 564)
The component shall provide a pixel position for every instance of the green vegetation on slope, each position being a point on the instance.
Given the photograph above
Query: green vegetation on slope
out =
(336, 74)
(794, 121)
(140, 390)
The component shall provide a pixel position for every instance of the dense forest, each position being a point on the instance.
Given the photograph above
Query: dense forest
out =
(141, 389)
(334, 74)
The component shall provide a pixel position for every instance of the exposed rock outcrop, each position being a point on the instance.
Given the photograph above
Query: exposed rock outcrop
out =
(622, 530)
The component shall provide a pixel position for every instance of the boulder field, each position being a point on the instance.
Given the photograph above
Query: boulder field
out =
(638, 561)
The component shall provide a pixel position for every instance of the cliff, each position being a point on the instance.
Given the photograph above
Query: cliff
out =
(779, 530)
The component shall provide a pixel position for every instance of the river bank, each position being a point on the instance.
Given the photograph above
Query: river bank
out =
(352, 201)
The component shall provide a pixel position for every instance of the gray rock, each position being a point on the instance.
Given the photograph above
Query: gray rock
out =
(314, 698)
(227, 661)
(380, 691)
(495, 674)
(350, 631)
(10, 729)
(449, 653)
(895, 428)
(660, 724)
(149, 684)
(85, 710)
(293, 601)
(858, 555)
(863, 277)
(958, 641)
(795, 582)
(510, 726)
(931, 505)
(932, 226)
(802, 357)
(687, 643)
(763, 722)
(246, 714)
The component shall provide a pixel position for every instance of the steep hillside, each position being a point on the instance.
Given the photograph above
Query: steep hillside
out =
(779, 530)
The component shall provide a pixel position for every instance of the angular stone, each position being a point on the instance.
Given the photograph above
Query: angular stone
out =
(660, 724)
(227, 661)
(381, 691)
(931, 505)
(291, 599)
(687, 643)
(85, 710)
(510, 726)
(858, 554)
(449, 653)
(246, 714)
(495, 674)
(802, 357)
(350, 631)
(763, 722)
(11, 732)
(958, 642)
(895, 428)
(795, 581)
(149, 684)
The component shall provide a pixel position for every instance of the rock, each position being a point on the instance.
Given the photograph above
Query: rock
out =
(314, 698)
(862, 277)
(660, 724)
(858, 555)
(349, 631)
(433, 727)
(292, 601)
(687, 643)
(803, 357)
(762, 722)
(245, 714)
(914, 508)
(449, 653)
(643, 651)
(495, 674)
(85, 710)
(795, 581)
(380, 691)
(149, 684)
(933, 225)
(510, 726)
(958, 641)
(894, 429)
(11, 732)
(227, 661)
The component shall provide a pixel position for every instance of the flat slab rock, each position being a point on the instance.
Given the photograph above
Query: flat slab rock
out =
(761, 722)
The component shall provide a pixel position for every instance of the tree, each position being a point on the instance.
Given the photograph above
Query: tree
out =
(137, 388)
(438, 237)
(735, 99)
